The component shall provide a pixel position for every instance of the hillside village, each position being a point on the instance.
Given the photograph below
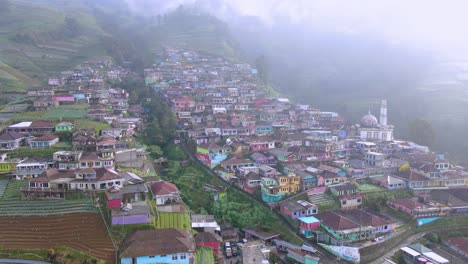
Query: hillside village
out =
(341, 185)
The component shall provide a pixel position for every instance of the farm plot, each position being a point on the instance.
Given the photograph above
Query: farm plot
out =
(370, 188)
(65, 113)
(324, 201)
(12, 190)
(45, 207)
(15, 108)
(3, 186)
(5, 117)
(84, 232)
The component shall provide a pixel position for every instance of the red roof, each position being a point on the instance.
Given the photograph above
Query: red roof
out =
(408, 203)
(205, 237)
(336, 221)
(183, 99)
(41, 124)
(459, 242)
(103, 174)
(163, 188)
(45, 138)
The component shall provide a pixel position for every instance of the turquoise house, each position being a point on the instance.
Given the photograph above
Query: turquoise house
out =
(168, 245)
(64, 126)
(181, 258)
(280, 154)
(263, 128)
(270, 190)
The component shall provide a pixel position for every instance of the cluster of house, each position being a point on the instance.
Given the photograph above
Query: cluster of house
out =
(273, 146)
(35, 134)
(279, 147)
(44, 134)
(88, 84)
(91, 165)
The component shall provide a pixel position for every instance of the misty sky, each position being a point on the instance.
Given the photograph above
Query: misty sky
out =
(429, 24)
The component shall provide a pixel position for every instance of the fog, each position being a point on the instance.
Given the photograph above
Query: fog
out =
(346, 56)
(427, 24)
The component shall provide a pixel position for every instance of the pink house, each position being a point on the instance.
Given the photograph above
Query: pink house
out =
(258, 146)
(261, 144)
(184, 104)
(64, 98)
(307, 225)
(114, 203)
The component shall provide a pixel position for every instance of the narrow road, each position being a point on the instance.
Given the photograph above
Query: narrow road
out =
(325, 256)
(391, 252)
(409, 240)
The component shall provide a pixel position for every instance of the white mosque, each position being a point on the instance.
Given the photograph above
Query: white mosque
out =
(371, 130)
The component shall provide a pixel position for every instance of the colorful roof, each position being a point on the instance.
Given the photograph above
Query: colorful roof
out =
(163, 188)
(308, 219)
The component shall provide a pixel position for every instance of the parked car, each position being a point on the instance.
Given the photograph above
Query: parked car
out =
(235, 250)
(228, 249)
(228, 252)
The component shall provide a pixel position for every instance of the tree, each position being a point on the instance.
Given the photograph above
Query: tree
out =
(261, 64)
(422, 132)
(72, 27)
(154, 151)
(433, 237)
(153, 133)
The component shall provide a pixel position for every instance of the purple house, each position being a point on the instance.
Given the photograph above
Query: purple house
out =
(297, 209)
(131, 214)
(261, 159)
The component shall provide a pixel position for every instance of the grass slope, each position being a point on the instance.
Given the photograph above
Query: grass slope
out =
(47, 49)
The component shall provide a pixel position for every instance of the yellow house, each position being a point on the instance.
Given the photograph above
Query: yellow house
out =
(289, 184)
(7, 167)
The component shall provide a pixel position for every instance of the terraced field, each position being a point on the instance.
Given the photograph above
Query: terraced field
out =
(11, 192)
(3, 186)
(43, 224)
(324, 201)
(46, 207)
(81, 231)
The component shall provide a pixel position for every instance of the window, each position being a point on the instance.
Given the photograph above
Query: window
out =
(183, 256)
(343, 202)
(151, 256)
(359, 200)
(385, 227)
(174, 256)
(369, 134)
(162, 256)
(376, 134)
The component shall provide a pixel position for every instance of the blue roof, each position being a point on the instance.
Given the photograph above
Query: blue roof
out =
(308, 219)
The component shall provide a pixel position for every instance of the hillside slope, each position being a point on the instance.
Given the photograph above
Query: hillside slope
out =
(41, 37)
(37, 39)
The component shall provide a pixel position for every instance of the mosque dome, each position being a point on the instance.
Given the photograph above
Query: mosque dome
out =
(369, 120)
